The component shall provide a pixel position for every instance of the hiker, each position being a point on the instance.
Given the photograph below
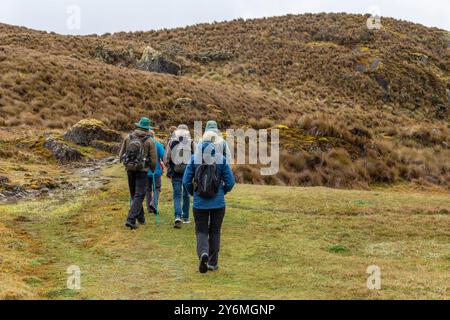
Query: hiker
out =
(178, 153)
(172, 130)
(138, 154)
(208, 178)
(212, 130)
(154, 181)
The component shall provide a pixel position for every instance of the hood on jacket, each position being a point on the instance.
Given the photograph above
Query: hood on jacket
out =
(141, 133)
(207, 152)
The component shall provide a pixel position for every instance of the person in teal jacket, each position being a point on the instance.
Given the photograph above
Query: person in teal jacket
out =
(154, 182)
(209, 213)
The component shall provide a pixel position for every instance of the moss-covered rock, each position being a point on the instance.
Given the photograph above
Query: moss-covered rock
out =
(124, 57)
(154, 61)
(88, 130)
(62, 152)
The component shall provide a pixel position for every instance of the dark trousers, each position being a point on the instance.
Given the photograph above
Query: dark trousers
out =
(208, 224)
(137, 183)
(153, 192)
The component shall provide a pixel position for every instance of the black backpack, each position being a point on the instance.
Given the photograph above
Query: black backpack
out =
(181, 167)
(134, 158)
(206, 182)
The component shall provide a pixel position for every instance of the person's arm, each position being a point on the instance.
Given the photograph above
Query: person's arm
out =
(167, 154)
(161, 151)
(228, 178)
(188, 177)
(123, 149)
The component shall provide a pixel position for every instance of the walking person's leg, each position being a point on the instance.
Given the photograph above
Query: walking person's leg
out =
(157, 192)
(139, 195)
(131, 185)
(141, 216)
(215, 227)
(132, 188)
(201, 231)
(148, 194)
(186, 205)
(177, 194)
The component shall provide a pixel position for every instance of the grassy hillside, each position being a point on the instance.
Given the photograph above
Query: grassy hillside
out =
(362, 107)
(278, 243)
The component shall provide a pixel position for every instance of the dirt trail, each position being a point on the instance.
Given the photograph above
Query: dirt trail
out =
(83, 175)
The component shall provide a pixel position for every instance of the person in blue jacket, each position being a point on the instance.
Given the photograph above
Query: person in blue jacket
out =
(209, 213)
(154, 182)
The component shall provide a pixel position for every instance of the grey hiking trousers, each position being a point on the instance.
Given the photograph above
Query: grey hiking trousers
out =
(208, 224)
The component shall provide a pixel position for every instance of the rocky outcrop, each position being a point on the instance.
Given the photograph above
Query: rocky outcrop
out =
(63, 153)
(154, 61)
(14, 192)
(86, 131)
(210, 56)
(120, 57)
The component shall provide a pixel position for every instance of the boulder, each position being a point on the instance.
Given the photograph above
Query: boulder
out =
(361, 68)
(154, 61)
(86, 131)
(382, 82)
(62, 152)
(109, 147)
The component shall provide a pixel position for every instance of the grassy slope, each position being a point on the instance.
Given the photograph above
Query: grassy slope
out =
(304, 71)
(278, 242)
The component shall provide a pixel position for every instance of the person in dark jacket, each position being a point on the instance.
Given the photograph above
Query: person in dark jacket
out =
(137, 178)
(209, 213)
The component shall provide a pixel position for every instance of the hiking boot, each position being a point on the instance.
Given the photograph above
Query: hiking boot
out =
(177, 224)
(152, 209)
(187, 221)
(203, 267)
(213, 268)
(142, 223)
(130, 225)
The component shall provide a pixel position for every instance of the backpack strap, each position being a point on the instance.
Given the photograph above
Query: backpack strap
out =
(144, 140)
(173, 143)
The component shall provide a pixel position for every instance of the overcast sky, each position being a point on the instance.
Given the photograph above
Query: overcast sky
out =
(100, 16)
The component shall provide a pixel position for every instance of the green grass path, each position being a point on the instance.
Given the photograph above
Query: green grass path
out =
(277, 243)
